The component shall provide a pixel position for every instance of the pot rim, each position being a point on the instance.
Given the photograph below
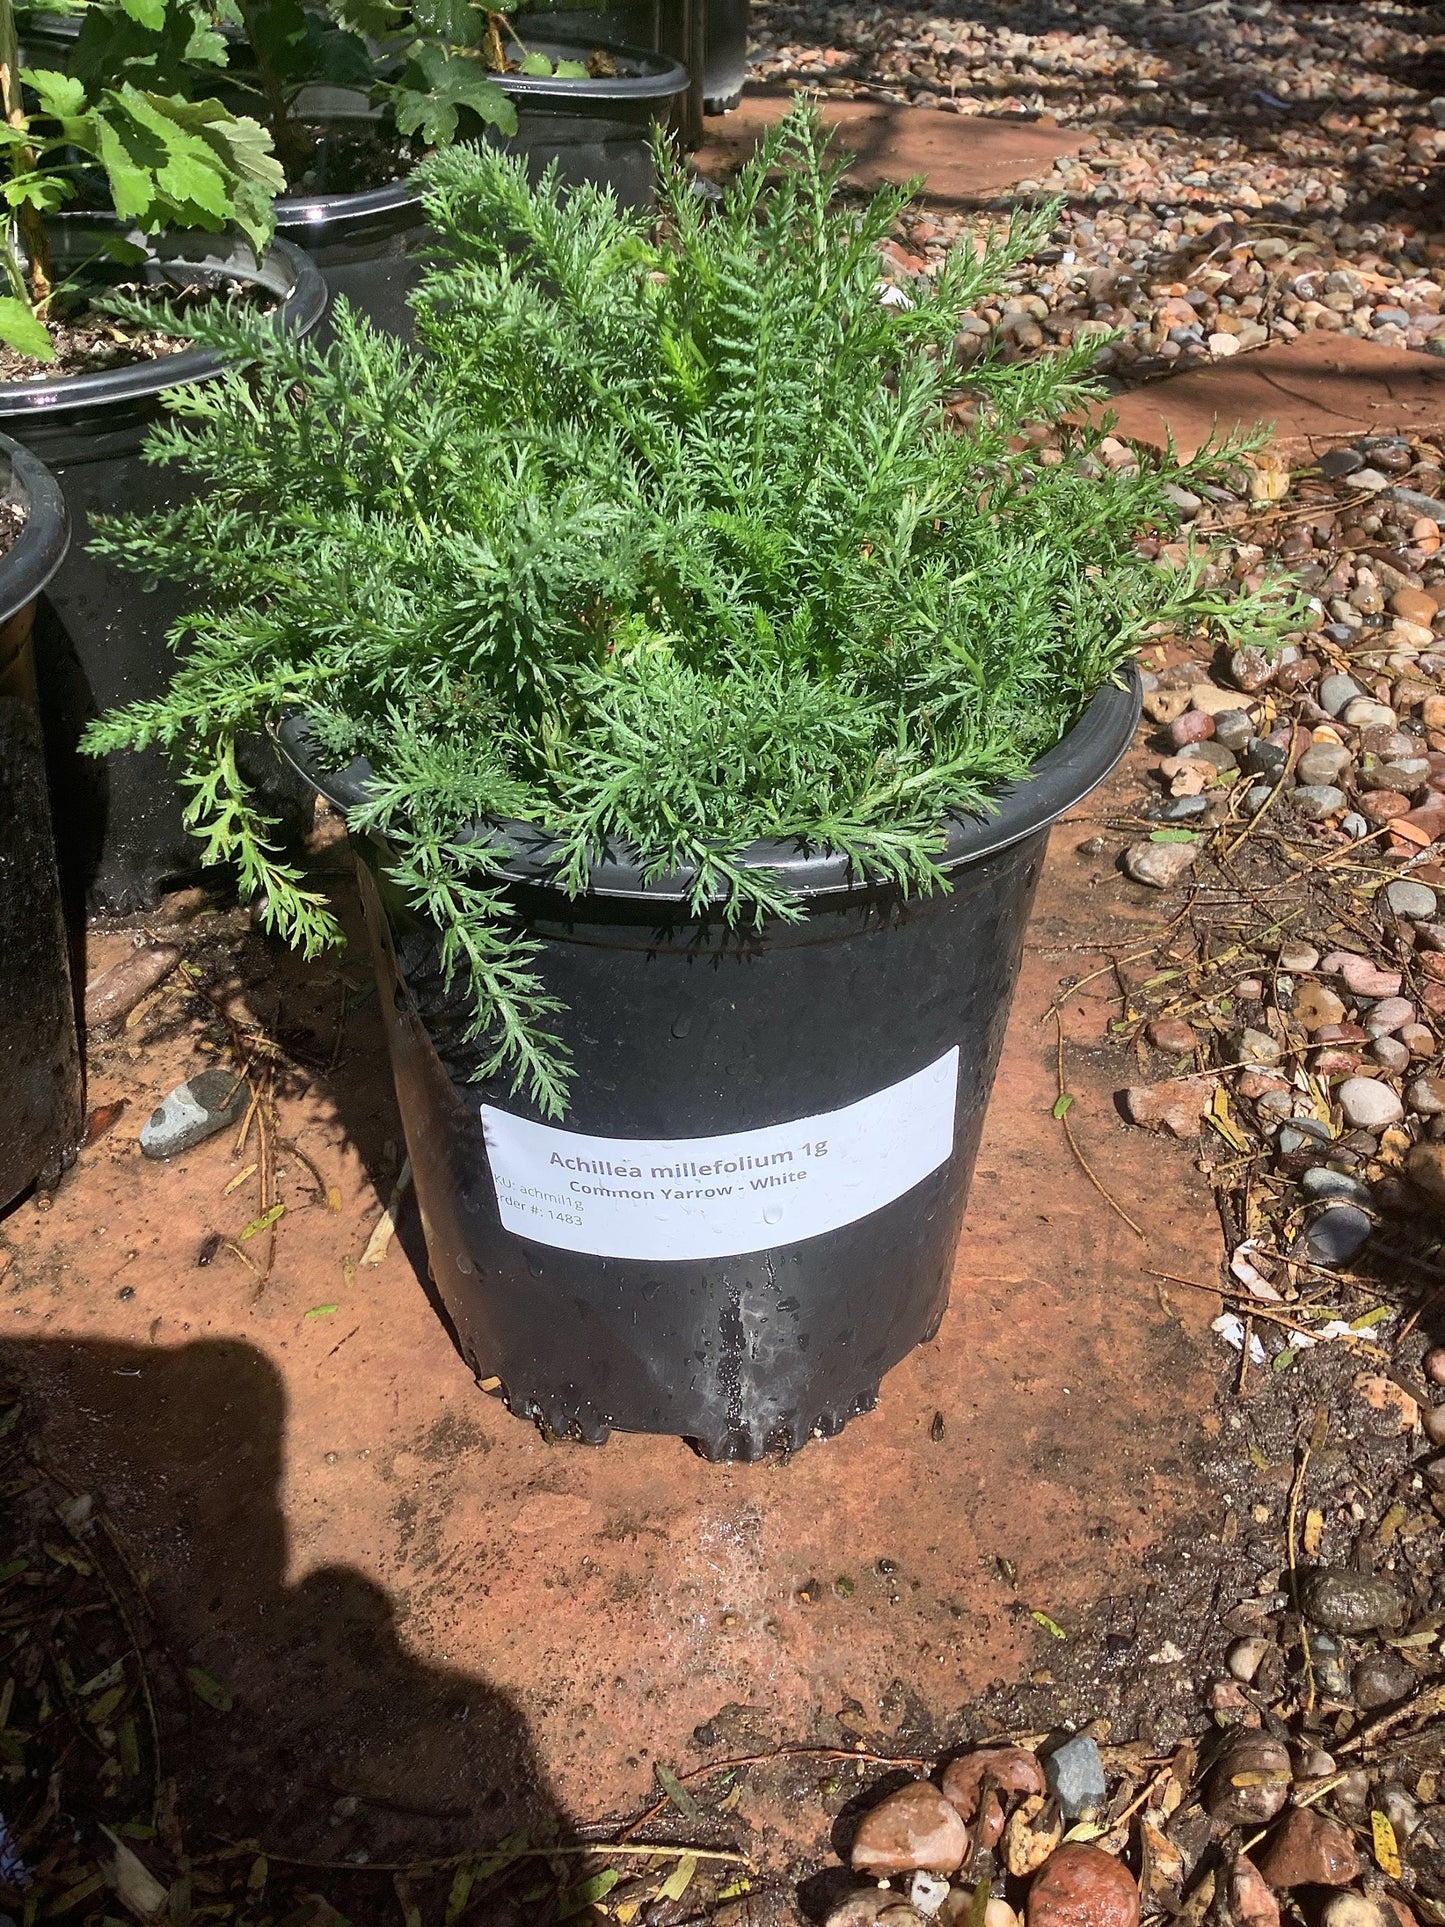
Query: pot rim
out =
(297, 212)
(668, 78)
(661, 76)
(42, 543)
(284, 266)
(1062, 777)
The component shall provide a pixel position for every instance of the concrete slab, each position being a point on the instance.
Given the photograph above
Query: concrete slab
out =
(1317, 391)
(964, 161)
(421, 1605)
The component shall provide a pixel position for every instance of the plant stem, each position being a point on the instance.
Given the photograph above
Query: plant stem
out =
(284, 131)
(29, 219)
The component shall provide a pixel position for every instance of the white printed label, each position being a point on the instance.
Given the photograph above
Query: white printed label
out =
(717, 1197)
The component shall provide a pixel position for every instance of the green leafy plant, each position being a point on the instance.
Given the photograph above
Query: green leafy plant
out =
(663, 538)
(167, 162)
(423, 62)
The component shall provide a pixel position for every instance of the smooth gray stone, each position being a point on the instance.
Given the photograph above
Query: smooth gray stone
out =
(1323, 763)
(1322, 1182)
(1337, 1234)
(1178, 809)
(1410, 899)
(194, 1111)
(1233, 728)
(1418, 504)
(1341, 462)
(1265, 759)
(1316, 801)
(1336, 692)
(1208, 752)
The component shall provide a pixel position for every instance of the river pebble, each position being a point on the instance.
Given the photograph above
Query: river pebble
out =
(1348, 1602)
(1369, 1104)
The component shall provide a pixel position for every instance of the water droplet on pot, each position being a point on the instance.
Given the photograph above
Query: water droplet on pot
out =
(772, 1213)
(681, 1025)
(534, 1264)
(464, 1264)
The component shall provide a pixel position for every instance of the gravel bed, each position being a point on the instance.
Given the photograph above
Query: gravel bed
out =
(1252, 171)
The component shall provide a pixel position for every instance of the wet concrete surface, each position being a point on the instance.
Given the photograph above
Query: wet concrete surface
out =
(419, 1601)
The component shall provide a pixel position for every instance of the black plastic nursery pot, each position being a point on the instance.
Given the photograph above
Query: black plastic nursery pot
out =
(41, 1114)
(750, 1211)
(723, 37)
(101, 635)
(367, 243)
(364, 241)
(726, 65)
(597, 131)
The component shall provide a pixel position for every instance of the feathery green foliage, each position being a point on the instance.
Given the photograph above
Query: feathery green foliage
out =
(662, 539)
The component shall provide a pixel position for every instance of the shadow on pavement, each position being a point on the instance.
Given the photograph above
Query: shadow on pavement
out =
(339, 1744)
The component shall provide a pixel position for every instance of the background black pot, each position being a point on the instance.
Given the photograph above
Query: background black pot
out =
(366, 242)
(845, 1061)
(595, 130)
(101, 635)
(726, 62)
(719, 34)
(41, 1106)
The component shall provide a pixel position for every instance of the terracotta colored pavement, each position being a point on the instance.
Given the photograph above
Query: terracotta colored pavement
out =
(1316, 391)
(416, 1599)
(965, 161)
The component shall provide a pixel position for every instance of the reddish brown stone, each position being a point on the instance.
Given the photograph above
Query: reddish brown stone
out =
(1257, 1084)
(1414, 605)
(913, 1829)
(1082, 1886)
(1173, 1035)
(116, 992)
(1176, 1105)
(1251, 1902)
(1429, 817)
(1012, 1769)
(1366, 979)
(1341, 1034)
(1307, 1850)
(1227, 1701)
(1335, 1062)
(1381, 805)
(1192, 727)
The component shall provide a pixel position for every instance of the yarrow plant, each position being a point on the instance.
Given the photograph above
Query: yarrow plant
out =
(663, 538)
